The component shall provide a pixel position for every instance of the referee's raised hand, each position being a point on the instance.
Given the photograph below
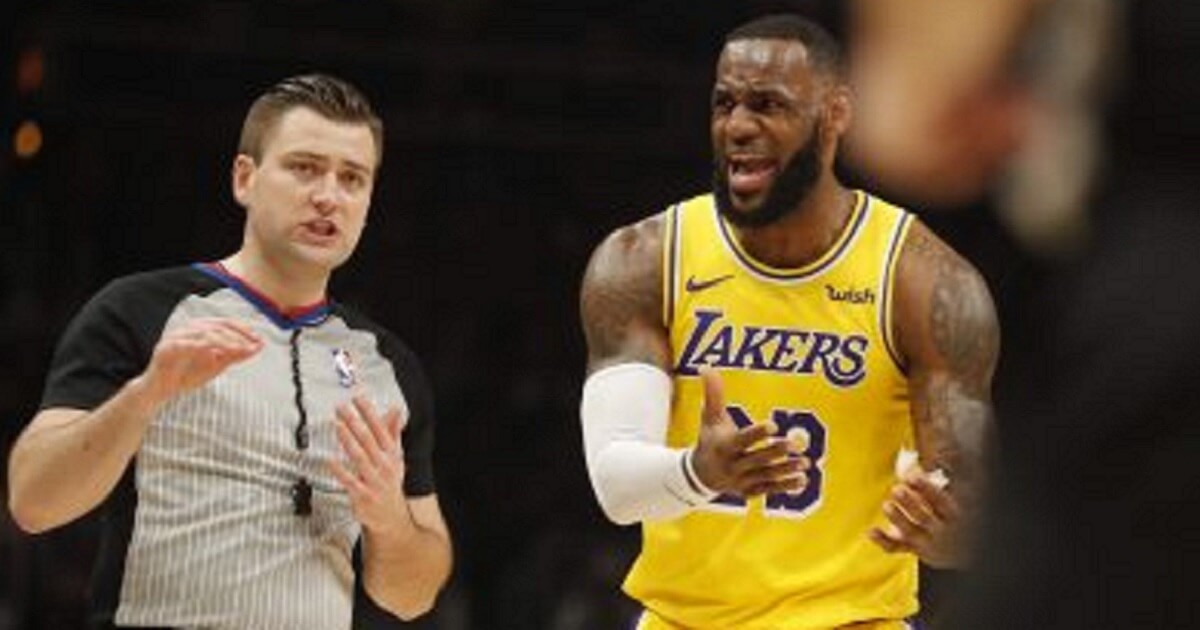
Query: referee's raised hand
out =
(197, 352)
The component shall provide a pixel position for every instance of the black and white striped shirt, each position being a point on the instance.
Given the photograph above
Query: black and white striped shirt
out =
(201, 532)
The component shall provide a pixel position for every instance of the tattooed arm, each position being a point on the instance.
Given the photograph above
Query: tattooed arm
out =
(627, 395)
(946, 330)
(621, 299)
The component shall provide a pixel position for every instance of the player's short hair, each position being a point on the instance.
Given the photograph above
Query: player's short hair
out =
(824, 51)
(326, 95)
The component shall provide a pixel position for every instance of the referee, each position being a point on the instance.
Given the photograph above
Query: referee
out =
(261, 454)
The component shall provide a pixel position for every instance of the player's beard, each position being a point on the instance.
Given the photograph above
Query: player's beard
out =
(790, 187)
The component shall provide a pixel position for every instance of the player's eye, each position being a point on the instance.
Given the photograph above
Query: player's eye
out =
(765, 104)
(722, 103)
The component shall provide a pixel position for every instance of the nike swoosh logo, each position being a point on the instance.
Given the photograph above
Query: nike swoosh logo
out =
(693, 285)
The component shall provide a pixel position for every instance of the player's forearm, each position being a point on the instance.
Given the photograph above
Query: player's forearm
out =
(404, 571)
(956, 440)
(67, 461)
(637, 482)
(970, 426)
(953, 429)
(635, 475)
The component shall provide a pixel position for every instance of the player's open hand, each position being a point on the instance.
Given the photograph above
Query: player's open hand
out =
(923, 518)
(745, 461)
(196, 352)
(373, 471)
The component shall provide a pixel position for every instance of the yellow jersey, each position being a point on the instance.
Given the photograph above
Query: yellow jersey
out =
(811, 349)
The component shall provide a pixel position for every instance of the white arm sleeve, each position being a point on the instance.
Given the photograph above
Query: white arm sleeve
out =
(636, 477)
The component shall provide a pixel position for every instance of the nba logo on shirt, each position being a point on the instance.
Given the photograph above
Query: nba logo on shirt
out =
(344, 366)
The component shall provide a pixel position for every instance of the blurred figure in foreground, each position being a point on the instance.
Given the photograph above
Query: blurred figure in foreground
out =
(1092, 522)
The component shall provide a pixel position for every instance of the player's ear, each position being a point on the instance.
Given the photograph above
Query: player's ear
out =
(839, 109)
(242, 177)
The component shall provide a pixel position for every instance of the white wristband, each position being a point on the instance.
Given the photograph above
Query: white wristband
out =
(689, 470)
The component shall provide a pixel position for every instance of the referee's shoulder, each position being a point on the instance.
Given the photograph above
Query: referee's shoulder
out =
(390, 342)
(175, 280)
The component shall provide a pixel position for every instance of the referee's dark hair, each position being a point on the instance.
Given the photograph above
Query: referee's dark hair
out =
(327, 95)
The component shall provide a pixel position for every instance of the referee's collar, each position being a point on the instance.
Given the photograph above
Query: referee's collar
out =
(287, 319)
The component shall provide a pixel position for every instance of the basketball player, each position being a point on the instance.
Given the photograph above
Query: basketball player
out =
(758, 358)
(239, 429)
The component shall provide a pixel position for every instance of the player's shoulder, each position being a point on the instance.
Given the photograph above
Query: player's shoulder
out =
(629, 256)
(639, 239)
(924, 252)
(630, 252)
(942, 302)
(620, 300)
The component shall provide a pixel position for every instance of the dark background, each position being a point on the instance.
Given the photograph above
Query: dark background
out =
(518, 134)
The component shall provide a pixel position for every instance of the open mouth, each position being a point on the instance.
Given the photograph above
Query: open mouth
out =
(320, 229)
(749, 175)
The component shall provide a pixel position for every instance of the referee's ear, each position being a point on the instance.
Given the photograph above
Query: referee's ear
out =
(242, 178)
